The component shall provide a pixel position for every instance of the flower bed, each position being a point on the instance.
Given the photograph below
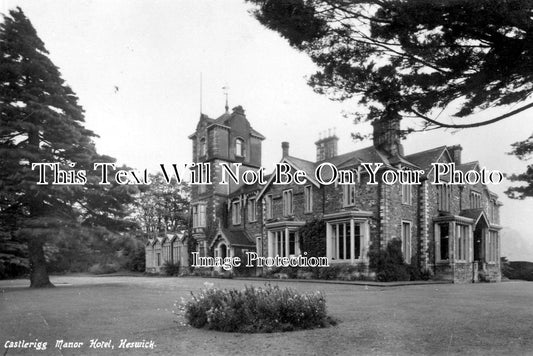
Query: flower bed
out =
(256, 309)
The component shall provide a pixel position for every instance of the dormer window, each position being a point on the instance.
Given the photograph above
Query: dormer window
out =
(239, 147)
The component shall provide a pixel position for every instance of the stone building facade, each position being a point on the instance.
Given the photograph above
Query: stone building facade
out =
(451, 230)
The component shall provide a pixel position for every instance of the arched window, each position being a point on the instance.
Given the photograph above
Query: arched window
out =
(239, 147)
(203, 147)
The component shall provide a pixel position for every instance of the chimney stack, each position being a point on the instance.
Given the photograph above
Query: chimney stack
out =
(387, 136)
(326, 146)
(455, 152)
(285, 148)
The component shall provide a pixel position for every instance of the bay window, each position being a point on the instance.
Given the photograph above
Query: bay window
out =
(347, 236)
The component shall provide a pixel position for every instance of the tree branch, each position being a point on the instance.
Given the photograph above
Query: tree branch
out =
(476, 124)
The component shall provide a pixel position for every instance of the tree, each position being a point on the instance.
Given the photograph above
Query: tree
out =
(523, 150)
(163, 206)
(42, 122)
(414, 58)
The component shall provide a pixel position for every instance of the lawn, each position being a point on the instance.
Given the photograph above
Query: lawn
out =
(484, 319)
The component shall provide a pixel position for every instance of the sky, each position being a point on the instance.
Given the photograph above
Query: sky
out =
(136, 67)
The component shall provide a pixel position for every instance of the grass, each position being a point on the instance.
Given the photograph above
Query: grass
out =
(479, 319)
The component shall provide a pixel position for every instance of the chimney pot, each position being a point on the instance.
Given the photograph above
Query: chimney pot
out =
(238, 110)
(285, 148)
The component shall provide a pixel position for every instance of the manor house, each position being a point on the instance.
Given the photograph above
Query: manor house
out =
(452, 230)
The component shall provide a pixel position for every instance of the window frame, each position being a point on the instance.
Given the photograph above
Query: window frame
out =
(240, 150)
(439, 239)
(493, 237)
(236, 213)
(462, 242)
(444, 195)
(251, 210)
(203, 147)
(199, 215)
(281, 238)
(308, 199)
(407, 250)
(406, 191)
(475, 199)
(288, 203)
(269, 212)
(348, 192)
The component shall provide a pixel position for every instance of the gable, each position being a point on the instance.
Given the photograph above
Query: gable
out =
(295, 164)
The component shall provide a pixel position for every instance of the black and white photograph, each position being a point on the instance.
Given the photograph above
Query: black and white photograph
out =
(244, 177)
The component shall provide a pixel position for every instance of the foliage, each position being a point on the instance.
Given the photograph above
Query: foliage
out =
(13, 256)
(519, 270)
(412, 56)
(90, 247)
(242, 270)
(162, 206)
(104, 268)
(171, 269)
(416, 59)
(42, 122)
(505, 266)
(256, 309)
(342, 272)
(389, 263)
(524, 151)
(312, 238)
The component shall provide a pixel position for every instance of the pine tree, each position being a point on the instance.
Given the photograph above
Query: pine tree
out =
(417, 59)
(41, 121)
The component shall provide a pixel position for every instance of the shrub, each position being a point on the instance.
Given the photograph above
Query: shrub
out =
(171, 269)
(104, 268)
(313, 238)
(330, 272)
(517, 269)
(256, 309)
(389, 263)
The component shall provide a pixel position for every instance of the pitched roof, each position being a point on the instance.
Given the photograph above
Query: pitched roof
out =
(235, 238)
(425, 158)
(256, 134)
(475, 214)
(307, 166)
(467, 166)
(247, 188)
(222, 118)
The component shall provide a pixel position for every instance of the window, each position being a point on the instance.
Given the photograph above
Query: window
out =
(202, 188)
(342, 241)
(158, 259)
(443, 239)
(236, 212)
(406, 240)
(259, 246)
(251, 210)
(475, 200)
(287, 202)
(308, 197)
(493, 211)
(493, 246)
(444, 196)
(462, 250)
(204, 174)
(203, 147)
(198, 215)
(239, 147)
(285, 243)
(349, 195)
(268, 206)
(406, 194)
